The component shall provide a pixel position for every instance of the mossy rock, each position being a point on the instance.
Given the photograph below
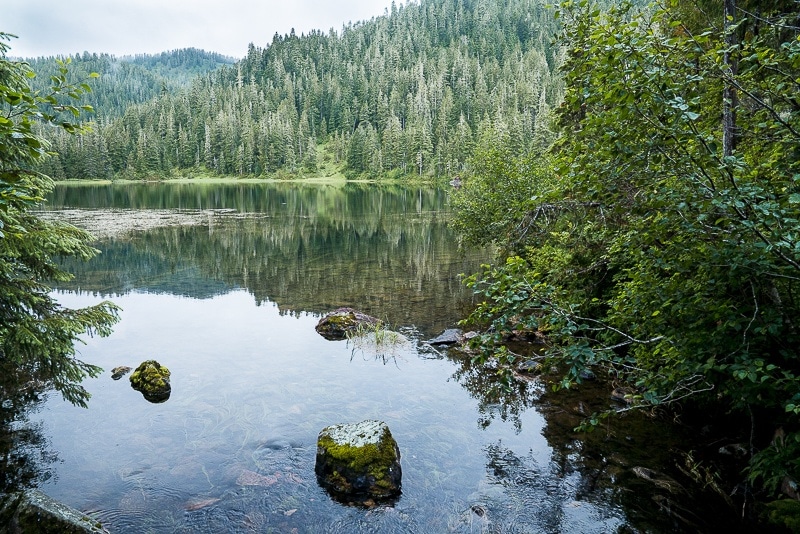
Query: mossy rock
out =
(784, 513)
(338, 323)
(359, 462)
(152, 380)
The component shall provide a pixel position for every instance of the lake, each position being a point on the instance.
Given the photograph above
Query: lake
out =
(224, 284)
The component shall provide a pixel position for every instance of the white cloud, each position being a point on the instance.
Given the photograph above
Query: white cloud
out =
(121, 27)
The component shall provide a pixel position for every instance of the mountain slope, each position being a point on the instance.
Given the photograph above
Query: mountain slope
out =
(130, 80)
(405, 93)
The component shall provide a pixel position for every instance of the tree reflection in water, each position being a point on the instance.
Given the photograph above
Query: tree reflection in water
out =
(586, 469)
(386, 250)
(498, 392)
(25, 457)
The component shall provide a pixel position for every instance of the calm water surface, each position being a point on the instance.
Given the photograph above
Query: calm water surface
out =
(223, 285)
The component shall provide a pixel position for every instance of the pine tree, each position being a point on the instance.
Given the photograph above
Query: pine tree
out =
(37, 334)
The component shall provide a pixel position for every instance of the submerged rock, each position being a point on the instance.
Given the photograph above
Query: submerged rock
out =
(338, 323)
(658, 479)
(119, 372)
(358, 462)
(152, 380)
(33, 511)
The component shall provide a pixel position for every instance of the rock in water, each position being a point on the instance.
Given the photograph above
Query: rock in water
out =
(33, 511)
(358, 462)
(152, 380)
(659, 479)
(448, 337)
(119, 372)
(338, 323)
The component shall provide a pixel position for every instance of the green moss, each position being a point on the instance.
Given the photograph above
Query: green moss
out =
(377, 457)
(152, 379)
(343, 322)
(785, 513)
(337, 325)
(372, 456)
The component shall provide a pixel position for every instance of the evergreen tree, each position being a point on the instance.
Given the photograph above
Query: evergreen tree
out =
(37, 334)
(432, 66)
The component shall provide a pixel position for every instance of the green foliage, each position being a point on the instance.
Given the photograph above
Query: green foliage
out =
(784, 513)
(497, 201)
(773, 464)
(701, 243)
(671, 255)
(37, 335)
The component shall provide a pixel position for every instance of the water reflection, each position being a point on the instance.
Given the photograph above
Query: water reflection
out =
(25, 455)
(384, 250)
(498, 392)
(224, 286)
(234, 448)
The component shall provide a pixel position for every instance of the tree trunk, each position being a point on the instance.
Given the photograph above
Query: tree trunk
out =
(730, 99)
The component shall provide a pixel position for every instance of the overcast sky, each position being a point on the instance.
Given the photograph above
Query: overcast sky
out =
(122, 27)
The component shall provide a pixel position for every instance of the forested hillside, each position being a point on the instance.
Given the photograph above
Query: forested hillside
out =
(407, 93)
(126, 81)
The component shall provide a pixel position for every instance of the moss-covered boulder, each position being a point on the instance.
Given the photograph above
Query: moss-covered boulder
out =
(342, 321)
(152, 380)
(359, 462)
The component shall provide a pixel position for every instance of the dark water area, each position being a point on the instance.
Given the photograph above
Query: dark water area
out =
(223, 284)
